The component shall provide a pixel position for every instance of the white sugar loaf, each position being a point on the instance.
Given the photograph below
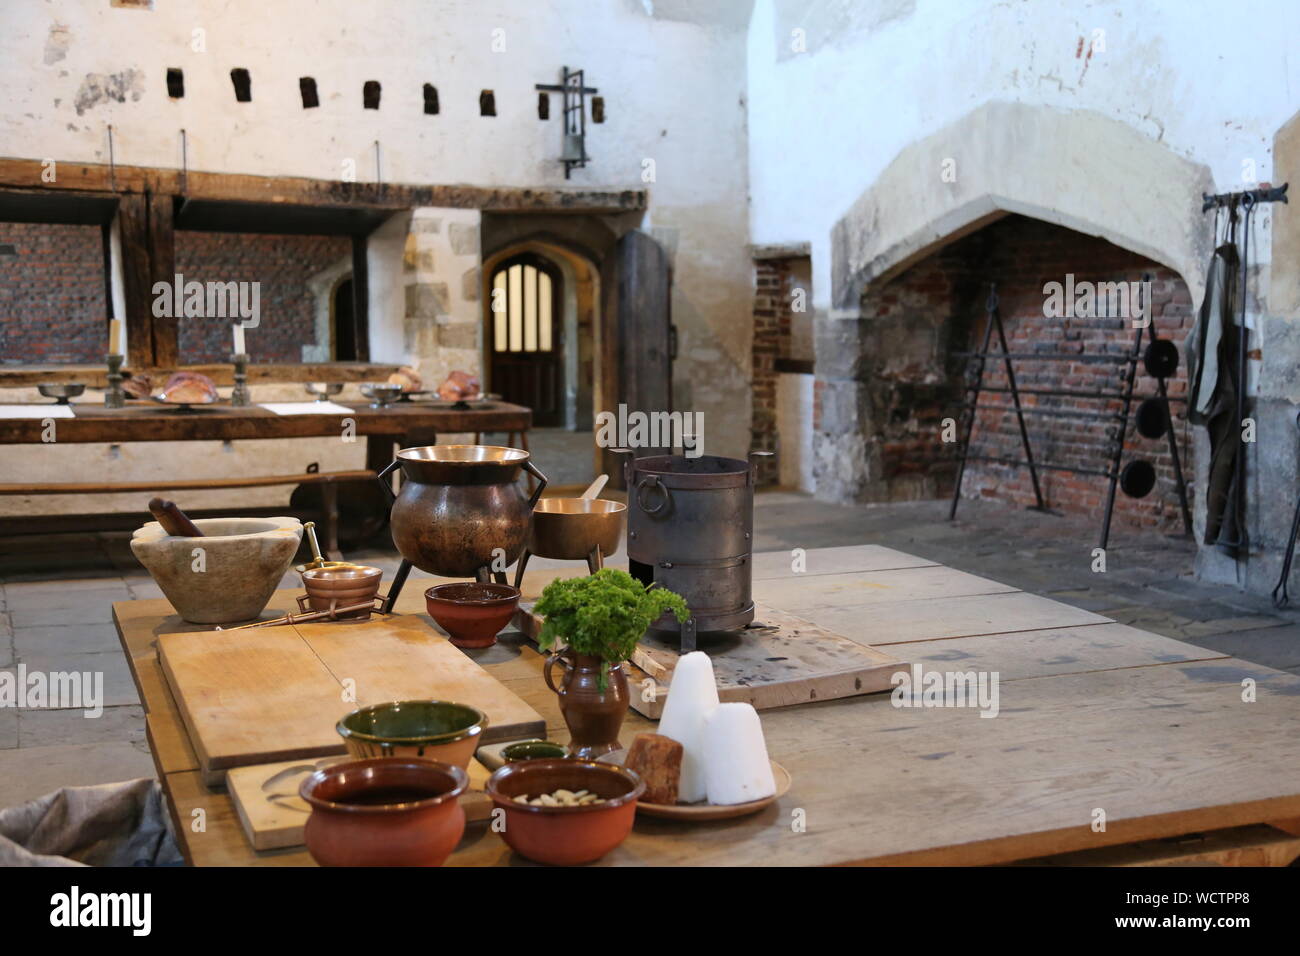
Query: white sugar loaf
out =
(735, 756)
(692, 696)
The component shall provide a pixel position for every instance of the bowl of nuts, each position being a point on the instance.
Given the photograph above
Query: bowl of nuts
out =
(565, 812)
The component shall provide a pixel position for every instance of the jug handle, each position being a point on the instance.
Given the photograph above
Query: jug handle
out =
(384, 483)
(541, 482)
(551, 661)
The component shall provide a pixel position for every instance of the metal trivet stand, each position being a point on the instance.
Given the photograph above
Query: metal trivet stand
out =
(1137, 479)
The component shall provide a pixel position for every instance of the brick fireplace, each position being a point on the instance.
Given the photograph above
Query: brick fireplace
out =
(905, 355)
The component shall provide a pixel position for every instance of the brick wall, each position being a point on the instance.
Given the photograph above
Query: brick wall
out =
(282, 264)
(936, 308)
(52, 299)
(772, 324)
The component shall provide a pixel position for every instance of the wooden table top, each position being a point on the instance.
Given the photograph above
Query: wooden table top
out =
(1093, 716)
(149, 421)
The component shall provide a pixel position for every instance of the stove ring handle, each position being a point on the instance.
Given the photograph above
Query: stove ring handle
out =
(643, 486)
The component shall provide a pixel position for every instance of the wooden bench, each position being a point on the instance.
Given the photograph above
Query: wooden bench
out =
(328, 481)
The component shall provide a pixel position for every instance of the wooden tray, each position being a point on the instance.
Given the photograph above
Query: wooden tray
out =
(273, 815)
(274, 694)
(778, 661)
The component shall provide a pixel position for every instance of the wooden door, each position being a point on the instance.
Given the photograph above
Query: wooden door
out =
(525, 363)
(645, 328)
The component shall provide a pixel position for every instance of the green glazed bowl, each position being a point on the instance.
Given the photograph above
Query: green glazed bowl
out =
(534, 750)
(433, 729)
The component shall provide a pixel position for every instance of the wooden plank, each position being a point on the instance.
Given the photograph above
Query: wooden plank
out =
(252, 696)
(197, 184)
(137, 294)
(361, 299)
(162, 268)
(273, 816)
(403, 658)
(901, 621)
(856, 589)
(1259, 845)
(96, 376)
(147, 421)
(1047, 653)
(208, 829)
(787, 661)
(778, 565)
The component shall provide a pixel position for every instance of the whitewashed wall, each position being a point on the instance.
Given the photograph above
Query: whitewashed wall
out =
(673, 79)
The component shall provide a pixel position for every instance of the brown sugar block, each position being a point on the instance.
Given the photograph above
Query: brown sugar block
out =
(658, 761)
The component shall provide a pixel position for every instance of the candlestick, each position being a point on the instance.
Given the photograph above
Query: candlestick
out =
(114, 397)
(240, 397)
(239, 339)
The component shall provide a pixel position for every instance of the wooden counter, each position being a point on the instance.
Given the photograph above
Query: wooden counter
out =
(1092, 716)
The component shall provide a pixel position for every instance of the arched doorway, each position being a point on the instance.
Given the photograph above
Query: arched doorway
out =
(524, 336)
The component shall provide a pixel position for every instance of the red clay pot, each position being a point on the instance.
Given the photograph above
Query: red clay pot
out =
(472, 613)
(386, 811)
(565, 836)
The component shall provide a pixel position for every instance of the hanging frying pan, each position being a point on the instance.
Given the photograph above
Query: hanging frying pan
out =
(1137, 478)
(1151, 418)
(1161, 358)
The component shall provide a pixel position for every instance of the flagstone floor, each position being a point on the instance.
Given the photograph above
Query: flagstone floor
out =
(56, 595)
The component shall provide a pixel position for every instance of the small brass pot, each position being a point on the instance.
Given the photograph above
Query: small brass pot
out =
(341, 586)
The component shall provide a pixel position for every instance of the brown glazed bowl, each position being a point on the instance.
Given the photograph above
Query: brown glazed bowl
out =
(384, 812)
(429, 729)
(565, 836)
(471, 613)
(342, 586)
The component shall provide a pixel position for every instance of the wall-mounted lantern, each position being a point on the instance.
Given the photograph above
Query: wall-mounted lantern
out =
(574, 150)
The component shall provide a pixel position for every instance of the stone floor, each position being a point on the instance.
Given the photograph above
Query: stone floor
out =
(56, 596)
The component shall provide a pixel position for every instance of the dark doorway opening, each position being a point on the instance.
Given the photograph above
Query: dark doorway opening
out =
(344, 329)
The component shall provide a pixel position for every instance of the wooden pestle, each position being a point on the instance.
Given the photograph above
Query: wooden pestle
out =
(173, 520)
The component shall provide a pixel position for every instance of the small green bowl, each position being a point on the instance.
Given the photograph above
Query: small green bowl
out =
(435, 729)
(534, 750)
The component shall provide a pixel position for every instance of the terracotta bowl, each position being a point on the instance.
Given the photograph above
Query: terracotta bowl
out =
(431, 729)
(384, 812)
(565, 836)
(341, 586)
(472, 614)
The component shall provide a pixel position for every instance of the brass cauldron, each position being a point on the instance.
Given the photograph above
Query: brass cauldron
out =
(574, 529)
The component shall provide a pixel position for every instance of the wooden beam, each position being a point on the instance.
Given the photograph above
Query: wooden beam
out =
(162, 268)
(360, 299)
(133, 228)
(95, 177)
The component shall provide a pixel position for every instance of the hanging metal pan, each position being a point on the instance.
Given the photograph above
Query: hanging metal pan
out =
(1161, 358)
(1138, 478)
(1152, 418)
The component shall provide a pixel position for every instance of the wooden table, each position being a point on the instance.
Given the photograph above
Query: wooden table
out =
(147, 421)
(1093, 715)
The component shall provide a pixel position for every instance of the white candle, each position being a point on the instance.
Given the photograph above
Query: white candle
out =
(692, 696)
(115, 337)
(239, 339)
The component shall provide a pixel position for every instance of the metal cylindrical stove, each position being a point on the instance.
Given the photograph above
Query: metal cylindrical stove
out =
(690, 528)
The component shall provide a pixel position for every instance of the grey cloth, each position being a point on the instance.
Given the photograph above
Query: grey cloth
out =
(113, 824)
(1212, 351)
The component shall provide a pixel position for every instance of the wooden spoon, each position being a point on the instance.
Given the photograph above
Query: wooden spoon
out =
(595, 487)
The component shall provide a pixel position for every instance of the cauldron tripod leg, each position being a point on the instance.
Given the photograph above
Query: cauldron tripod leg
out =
(395, 588)
(519, 568)
(688, 635)
(595, 561)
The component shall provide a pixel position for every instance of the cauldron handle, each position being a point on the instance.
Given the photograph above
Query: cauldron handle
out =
(541, 482)
(384, 483)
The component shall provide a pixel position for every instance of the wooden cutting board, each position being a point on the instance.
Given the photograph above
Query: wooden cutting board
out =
(778, 661)
(273, 694)
(273, 815)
